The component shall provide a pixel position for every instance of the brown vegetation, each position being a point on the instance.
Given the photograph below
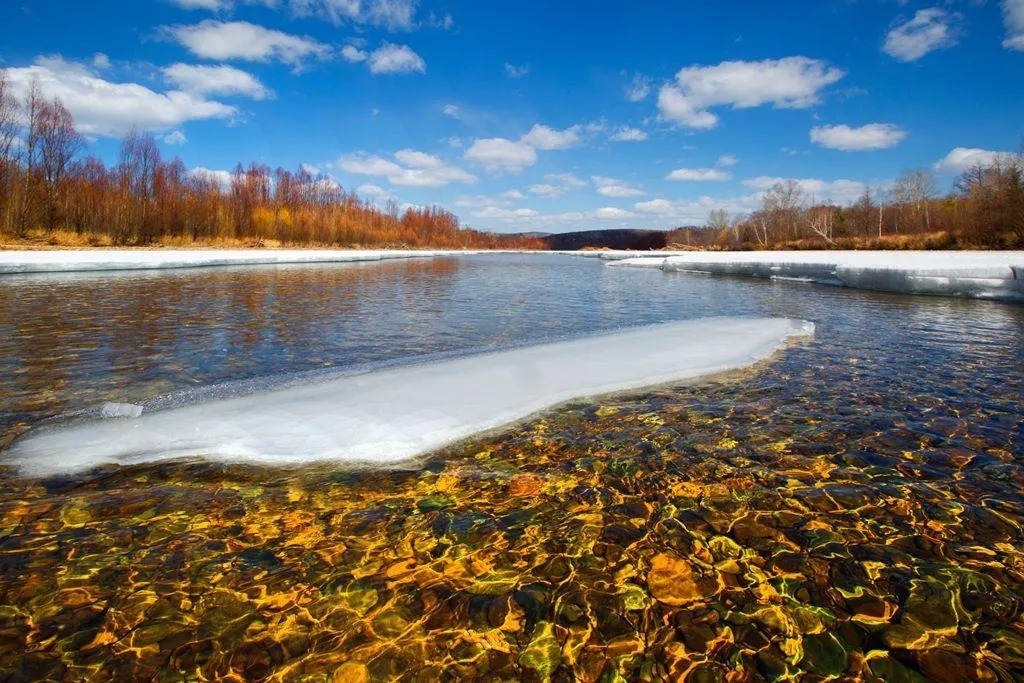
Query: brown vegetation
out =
(984, 211)
(51, 195)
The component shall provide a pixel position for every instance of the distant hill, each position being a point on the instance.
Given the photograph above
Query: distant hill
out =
(607, 239)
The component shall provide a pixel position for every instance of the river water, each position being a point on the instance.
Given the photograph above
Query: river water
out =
(852, 507)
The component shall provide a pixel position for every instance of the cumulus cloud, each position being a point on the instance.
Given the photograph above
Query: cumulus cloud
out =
(546, 138)
(212, 39)
(410, 168)
(375, 192)
(351, 53)
(792, 82)
(496, 212)
(870, 137)
(610, 187)
(210, 5)
(513, 71)
(394, 15)
(627, 134)
(567, 179)
(1013, 21)
(546, 190)
(610, 213)
(395, 59)
(726, 160)
(504, 199)
(960, 159)
(928, 30)
(638, 89)
(387, 59)
(699, 174)
(102, 107)
(220, 178)
(500, 154)
(841, 191)
(215, 80)
(174, 138)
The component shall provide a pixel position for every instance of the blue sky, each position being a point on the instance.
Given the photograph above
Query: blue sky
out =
(541, 115)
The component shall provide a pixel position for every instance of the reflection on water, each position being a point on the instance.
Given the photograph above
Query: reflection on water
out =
(853, 508)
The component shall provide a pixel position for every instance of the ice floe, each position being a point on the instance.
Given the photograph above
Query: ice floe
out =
(70, 260)
(977, 274)
(397, 413)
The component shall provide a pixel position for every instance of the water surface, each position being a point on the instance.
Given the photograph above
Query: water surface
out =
(852, 508)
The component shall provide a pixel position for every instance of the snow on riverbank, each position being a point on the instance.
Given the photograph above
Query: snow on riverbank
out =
(67, 261)
(976, 274)
(396, 413)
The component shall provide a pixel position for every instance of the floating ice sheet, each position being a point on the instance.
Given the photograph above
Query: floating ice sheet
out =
(976, 274)
(397, 413)
(64, 261)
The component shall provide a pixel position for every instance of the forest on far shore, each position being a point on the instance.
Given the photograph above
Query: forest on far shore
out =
(51, 193)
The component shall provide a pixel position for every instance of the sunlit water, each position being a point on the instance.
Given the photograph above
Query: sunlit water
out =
(851, 508)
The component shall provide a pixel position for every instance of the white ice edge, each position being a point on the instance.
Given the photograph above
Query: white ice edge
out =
(65, 261)
(974, 274)
(398, 413)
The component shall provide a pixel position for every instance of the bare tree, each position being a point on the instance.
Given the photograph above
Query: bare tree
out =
(59, 142)
(9, 149)
(915, 189)
(783, 202)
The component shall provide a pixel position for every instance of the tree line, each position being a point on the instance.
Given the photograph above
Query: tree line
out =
(985, 209)
(50, 190)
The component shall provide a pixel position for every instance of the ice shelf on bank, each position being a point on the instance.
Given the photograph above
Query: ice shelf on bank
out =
(394, 414)
(976, 274)
(72, 260)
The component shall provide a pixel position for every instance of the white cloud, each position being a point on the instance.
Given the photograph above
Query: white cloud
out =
(500, 154)
(513, 71)
(870, 137)
(610, 213)
(792, 82)
(395, 59)
(221, 178)
(841, 191)
(410, 169)
(699, 174)
(504, 214)
(212, 39)
(610, 187)
(928, 30)
(394, 15)
(351, 53)
(545, 138)
(627, 134)
(962, 158)
(695, 211)
(504, 199)
(215, 80)
(174, 138)
(1013, 20)
(102, 107)
(638, 89)
(567, 179)
(375, 191)
(450, 110)
(100, 61)
(726, 160)
(546, 190)
(210, 5)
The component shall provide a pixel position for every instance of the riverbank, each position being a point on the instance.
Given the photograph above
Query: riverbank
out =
(81, 260)
(997, 275)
